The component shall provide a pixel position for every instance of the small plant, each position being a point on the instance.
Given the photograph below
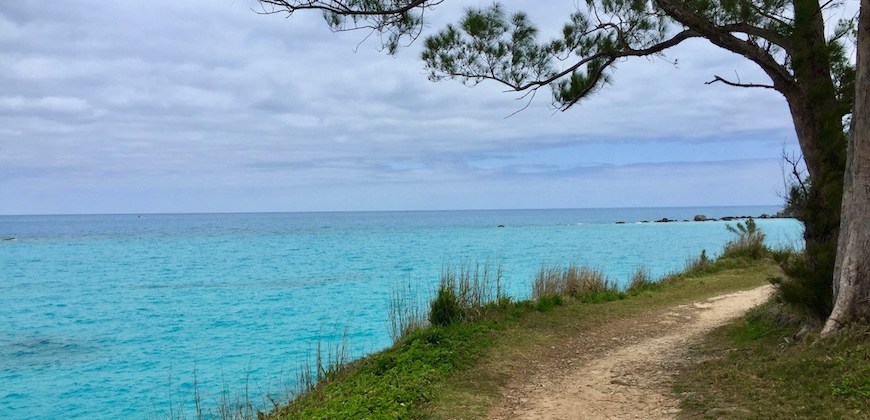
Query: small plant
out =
(697, 265)
(548, 303)
(749, 242)
(641, 281)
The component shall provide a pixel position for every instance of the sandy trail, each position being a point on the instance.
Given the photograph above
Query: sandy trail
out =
(622, 370)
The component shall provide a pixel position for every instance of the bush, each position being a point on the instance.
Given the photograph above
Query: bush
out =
(802, 288)
(749, 242)
(467, 293)
(445, 308)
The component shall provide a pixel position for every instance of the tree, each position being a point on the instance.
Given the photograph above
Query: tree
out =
(785, 38)
(852, 272)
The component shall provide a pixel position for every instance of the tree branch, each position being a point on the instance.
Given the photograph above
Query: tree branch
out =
(770, 36)
(341, 8)
(738, 83)
(783, 80)
(628, 52)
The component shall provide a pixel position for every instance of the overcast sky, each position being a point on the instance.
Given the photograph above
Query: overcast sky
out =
(206, 106)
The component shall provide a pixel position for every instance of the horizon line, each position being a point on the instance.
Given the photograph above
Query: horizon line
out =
(384, 211)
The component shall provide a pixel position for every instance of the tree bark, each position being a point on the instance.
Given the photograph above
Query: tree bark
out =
(852, 275)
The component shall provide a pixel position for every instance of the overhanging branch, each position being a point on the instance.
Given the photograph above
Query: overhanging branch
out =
(611, 56)
(738, 83)
(342, 8)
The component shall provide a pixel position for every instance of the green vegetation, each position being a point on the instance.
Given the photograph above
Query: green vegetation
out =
(574, 283)
(478, 339)
(756, 368)
(749, 242)
(467, 294)
(801, 288)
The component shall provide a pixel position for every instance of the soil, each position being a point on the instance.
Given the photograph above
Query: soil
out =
(621, 370)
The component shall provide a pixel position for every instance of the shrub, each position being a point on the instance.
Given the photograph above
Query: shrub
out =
(749, 242)
(445, 308)
(802, 288)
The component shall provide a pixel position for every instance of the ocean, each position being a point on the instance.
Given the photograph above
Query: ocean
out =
(127, 316)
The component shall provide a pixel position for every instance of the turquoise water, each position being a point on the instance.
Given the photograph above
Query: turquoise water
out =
(112, 316)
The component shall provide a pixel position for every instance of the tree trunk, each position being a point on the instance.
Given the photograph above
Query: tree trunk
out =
(817, 114)
(852, 277)
(817, 117)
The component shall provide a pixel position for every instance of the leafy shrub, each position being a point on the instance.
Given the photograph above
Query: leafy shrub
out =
(749, 242)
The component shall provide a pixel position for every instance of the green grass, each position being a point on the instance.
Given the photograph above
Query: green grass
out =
(753, 368)
(457, 370)
(394, 383)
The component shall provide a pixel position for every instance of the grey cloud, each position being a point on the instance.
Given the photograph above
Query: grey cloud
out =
(169, 93)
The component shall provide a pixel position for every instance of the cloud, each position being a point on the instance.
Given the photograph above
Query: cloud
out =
(166, 96)
(63, 104)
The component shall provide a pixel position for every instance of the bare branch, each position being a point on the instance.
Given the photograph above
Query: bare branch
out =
(738, 83)
(798, 174)
(529, 102)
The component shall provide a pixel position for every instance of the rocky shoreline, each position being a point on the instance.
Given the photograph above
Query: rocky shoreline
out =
(703, 218)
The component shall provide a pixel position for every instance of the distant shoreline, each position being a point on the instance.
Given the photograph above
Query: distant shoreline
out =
(703, 218)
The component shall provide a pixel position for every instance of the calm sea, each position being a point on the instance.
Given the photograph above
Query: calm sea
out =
(113, 316)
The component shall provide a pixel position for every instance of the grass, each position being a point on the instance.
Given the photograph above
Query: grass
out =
(755, 368)
(457, 369)
(576, 283)
(467, 293)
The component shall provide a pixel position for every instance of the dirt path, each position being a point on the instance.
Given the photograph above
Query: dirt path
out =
(621, 370)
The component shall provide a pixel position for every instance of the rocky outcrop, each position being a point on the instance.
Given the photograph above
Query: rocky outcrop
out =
(704, 218)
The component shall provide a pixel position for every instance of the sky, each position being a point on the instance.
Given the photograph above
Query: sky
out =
(207, 106)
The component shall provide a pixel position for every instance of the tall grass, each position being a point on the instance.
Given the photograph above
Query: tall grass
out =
(227, 405)
(698, 264)
(466, 292)
(324, 365)
(641, 281)
(574, 282)
(406, 312)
